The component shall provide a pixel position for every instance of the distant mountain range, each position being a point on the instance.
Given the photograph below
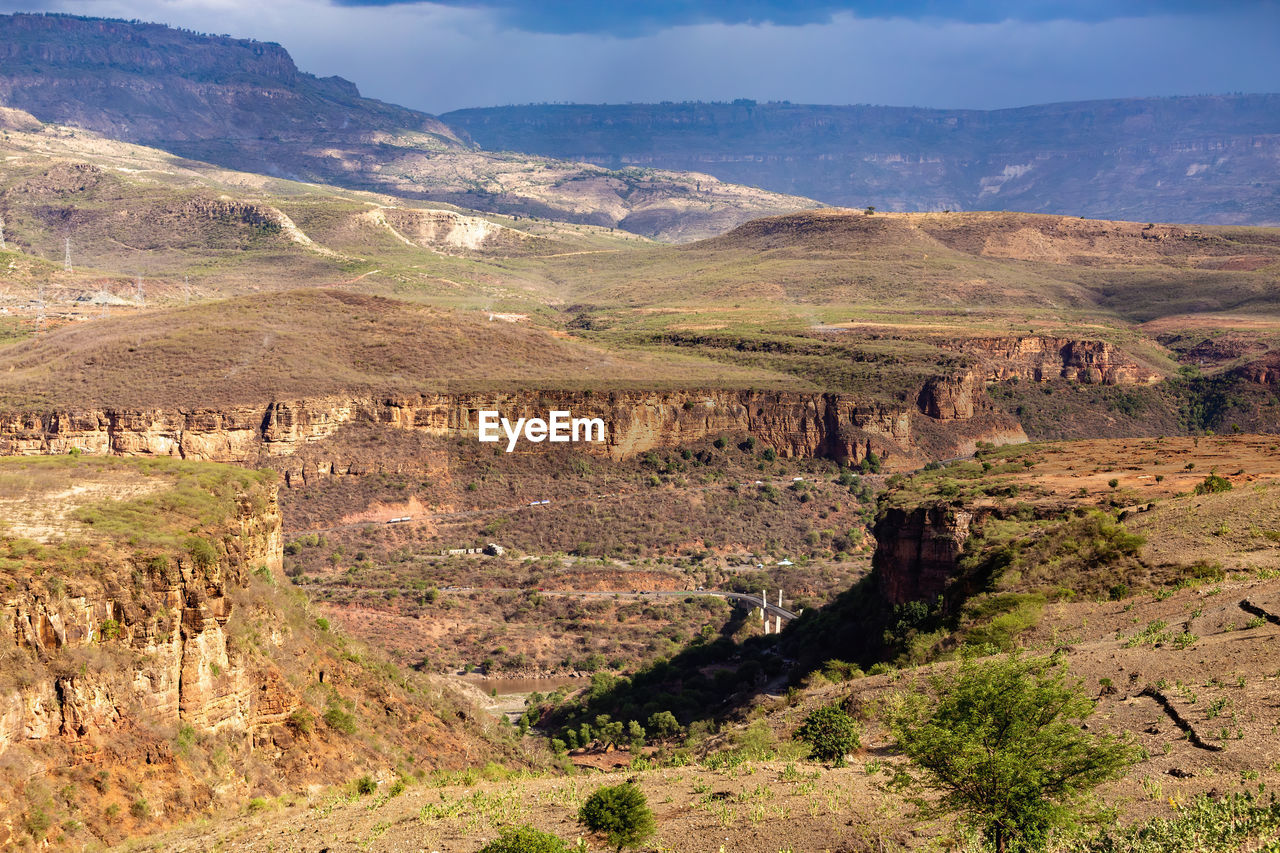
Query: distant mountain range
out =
(244, 105)
(1210, 159)
(675, 172)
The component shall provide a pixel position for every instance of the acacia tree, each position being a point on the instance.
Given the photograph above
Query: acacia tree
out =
(1001, 739)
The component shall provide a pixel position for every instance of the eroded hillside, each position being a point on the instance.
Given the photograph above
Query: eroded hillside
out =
(154, 668)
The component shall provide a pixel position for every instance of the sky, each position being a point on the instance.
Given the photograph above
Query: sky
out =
(973, 54)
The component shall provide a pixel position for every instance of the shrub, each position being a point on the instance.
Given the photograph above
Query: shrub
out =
(302, 720)
(204, 555)
(831, 734)
(525, 839)
(663, 725)
(621, 813)
(1213, 483)
(365, 785)
(339, 720)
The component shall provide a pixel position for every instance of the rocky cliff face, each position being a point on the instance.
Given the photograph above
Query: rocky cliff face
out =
(916, 550)
(145, 640)
(795, 424)
(1264, 371)
(147, 82)
(1037, 358)
(153, 669)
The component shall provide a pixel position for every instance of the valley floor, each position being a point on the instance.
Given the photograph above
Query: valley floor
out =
(751, 791)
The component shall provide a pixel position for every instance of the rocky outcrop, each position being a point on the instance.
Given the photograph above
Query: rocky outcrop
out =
(1037, 358)
(917, 548)
(1264, 371)
(140, 640)
(795, 424)
(950, 398)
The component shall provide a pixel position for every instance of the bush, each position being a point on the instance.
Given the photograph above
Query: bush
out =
(621, 813)
(339, 720)
(663, 725)
(366, 786)
(1213, 483)
(204, 555)
(525, 839)
(302, 720)
(831, 734)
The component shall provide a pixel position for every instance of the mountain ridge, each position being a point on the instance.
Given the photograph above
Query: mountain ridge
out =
(1202, 159)
(244, 105)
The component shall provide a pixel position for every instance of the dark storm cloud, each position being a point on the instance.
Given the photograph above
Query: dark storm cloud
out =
(439, 56)
(628, 18)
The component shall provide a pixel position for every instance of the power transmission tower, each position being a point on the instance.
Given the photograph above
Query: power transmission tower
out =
(40, 307)
(186, 290)
(66, 257)
(1, 233)
(142, 293)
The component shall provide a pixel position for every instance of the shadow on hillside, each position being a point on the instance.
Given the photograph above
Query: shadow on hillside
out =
(714, 679)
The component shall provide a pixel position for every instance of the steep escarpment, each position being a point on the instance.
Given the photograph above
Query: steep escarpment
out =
(149, 83)
(152, 669)
(1037, 358)
(793, 423)
(917, 549)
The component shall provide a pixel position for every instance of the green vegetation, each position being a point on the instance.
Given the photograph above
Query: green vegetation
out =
(831, 734)
(1240, 820)
(1000, 740)
(1213, 484)
(621, 813)
(525, 839)
(195, 495)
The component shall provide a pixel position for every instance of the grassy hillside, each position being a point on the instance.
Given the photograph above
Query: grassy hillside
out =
(311, 343)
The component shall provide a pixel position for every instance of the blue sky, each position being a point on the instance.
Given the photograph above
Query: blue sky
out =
(980, 54)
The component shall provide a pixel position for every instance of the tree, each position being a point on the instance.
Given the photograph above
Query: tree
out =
(831, 734)
(663, 725)
(621, 812)
(525, 839)
(1000, 738)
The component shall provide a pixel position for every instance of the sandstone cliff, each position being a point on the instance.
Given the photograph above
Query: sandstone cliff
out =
(1037, 358)
(917, 548)
(796, 424)
(150, 668)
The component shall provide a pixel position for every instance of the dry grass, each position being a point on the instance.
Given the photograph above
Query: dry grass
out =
(301, 344)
